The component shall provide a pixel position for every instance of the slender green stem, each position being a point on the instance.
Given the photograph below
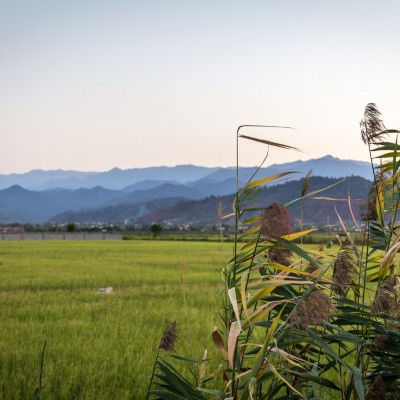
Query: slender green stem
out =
(38, 391)
(152, 374)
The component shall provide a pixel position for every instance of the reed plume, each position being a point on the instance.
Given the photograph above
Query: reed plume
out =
(167, 343)
(380, 342)
(368, 211)
(373, 129)
(344, 269)
(280, 256)
(377, 390)
(275, 222)
(312, 310)
(386, 298)
(383, 387)
(169, 337)
(306, 183)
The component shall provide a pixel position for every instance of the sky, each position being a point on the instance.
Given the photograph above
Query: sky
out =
(91, 85)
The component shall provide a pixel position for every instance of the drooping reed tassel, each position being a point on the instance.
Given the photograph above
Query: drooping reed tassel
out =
(275, 222)
(373, 129)
(312, 310)
(169, 337)
(344, 268)
(167, 343)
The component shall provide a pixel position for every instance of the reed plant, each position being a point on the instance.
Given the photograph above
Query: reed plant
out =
(301, 323)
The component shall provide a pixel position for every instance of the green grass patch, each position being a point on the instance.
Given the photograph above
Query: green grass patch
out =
(101, 346)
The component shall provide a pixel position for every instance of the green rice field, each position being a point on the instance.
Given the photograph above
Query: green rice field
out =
(101, 346)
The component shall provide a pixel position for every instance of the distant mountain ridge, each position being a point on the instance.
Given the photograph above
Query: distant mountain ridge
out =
(127, 190)
(118, 179)
(180, 211)
(316, 212)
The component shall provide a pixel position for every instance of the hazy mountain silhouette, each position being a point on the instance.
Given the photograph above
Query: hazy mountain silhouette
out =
(118, 179)
(22, 205)
(204, 211)
(316, 212)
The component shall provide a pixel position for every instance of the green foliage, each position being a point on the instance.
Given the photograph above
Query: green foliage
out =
(156, 230)
(71, 227)
(308, 323)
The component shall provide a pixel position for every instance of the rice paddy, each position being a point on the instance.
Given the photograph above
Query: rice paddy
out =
(101, 345)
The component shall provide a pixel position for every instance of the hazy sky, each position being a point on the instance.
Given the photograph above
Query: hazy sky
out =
(91, 85)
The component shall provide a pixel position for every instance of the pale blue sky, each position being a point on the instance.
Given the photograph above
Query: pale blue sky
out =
(91, 85)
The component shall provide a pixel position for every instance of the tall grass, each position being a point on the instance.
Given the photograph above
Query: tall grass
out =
(307, 324)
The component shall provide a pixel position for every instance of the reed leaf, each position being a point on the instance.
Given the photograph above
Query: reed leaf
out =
(234, 333)
(284, 380)
(269, 143)
(174, 385)
(327, 349)
(260, 313)
(310, 194)
(261, 355)
(358, 383)
(219, 343)
(263, 181)
(296, 235)
(233, 299)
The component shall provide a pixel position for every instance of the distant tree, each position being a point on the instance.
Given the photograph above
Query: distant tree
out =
(71, 227)
(156, 230)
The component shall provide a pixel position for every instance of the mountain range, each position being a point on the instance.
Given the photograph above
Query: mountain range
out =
(140, 195)
(146, 178)
(183, 211)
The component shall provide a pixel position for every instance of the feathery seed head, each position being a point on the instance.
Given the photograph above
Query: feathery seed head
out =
(169, 338)
(380, 342)
(306, 183)
(386, 298)
(279, 256)
(377, 390)
(372, 127)
(313, 309)
(275, 222)
(368, 210)
(344, 268)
